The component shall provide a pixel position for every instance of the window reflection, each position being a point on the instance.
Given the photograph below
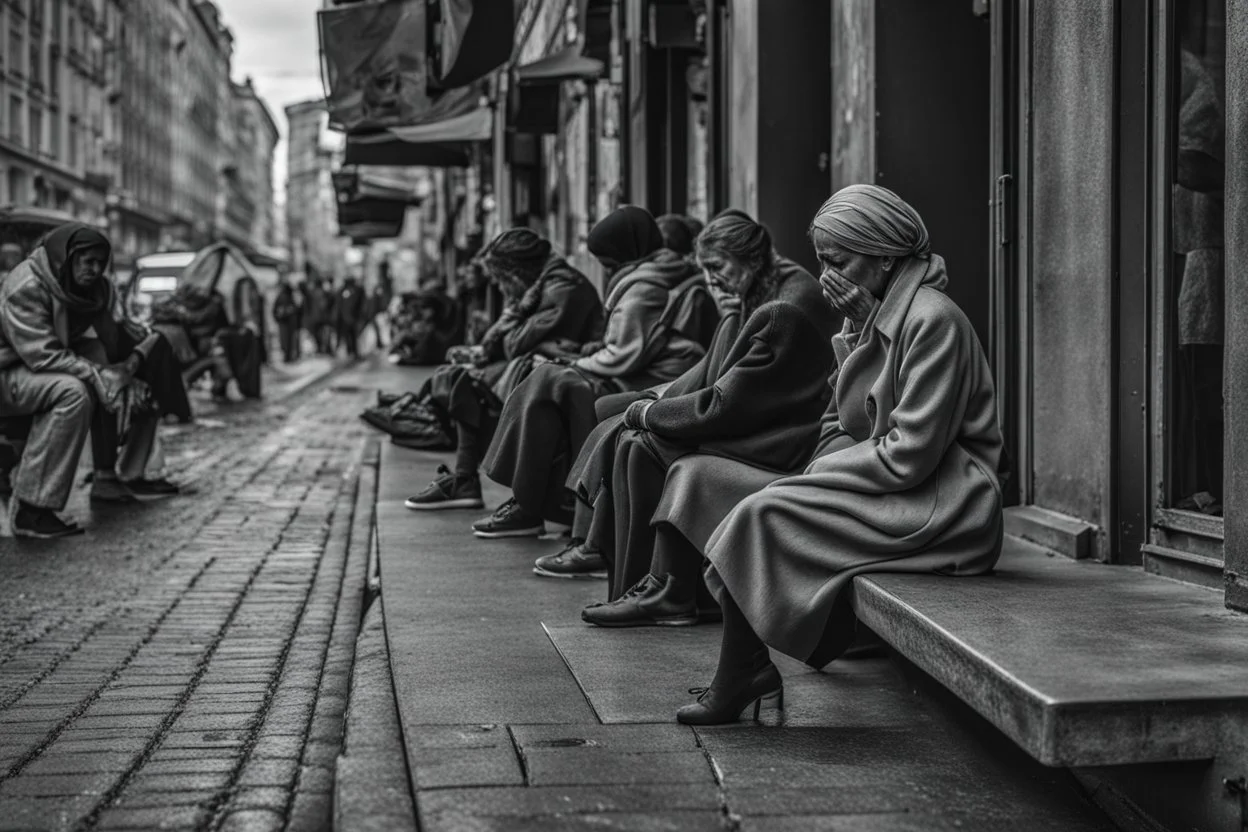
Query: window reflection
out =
(1196, 301)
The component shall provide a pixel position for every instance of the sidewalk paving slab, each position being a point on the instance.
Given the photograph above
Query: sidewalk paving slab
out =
(517, 716)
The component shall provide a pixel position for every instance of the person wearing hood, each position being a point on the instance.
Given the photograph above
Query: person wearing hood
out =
(756, 397)
(903, 479)
(552, 311)
(56, 328)
(654, 302)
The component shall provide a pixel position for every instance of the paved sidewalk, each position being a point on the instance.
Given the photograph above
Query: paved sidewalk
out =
(517, 716)
(210, 694)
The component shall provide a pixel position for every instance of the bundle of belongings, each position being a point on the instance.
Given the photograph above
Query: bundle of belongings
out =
(424, 326)
(411, 421)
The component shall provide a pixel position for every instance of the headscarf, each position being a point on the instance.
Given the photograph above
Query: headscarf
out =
(518, 253)
(868, 219)
(626, 235)
(61, 245)
(676, 232)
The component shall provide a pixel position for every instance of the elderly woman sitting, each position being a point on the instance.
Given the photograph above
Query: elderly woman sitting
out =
(904, 478)
(61, 363)
(756, 397)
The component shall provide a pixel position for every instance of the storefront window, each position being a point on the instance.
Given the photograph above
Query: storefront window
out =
(1195, 300)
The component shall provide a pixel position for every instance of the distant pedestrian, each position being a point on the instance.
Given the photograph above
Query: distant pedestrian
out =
(378, 308)
(286, 312)
(349, 307)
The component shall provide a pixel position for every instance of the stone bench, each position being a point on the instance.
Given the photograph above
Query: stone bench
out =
(1080, 663)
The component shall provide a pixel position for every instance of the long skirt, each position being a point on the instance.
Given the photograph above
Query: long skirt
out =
(787, 554)
(543, 425)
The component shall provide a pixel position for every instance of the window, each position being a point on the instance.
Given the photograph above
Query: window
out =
(54, 76)
(72, 151)
(1194, 305)
(15, 120)
(36, 62)
(54, 135)
(16, 48)
(36, 128)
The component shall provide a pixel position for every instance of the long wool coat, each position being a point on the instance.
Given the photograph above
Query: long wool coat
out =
(904, 478)
(755, 396)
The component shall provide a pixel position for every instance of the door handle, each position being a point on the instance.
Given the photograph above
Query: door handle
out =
(1003, 234)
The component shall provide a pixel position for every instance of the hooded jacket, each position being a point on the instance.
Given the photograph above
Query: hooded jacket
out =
(641, 348)
(35, 325)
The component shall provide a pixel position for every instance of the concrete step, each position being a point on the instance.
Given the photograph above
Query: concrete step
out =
(1080, 663)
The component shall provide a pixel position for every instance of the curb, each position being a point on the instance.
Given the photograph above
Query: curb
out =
(372, 789)
(371, 786)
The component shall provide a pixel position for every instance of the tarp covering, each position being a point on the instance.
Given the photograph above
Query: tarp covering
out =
(566, 65)
(376, 74)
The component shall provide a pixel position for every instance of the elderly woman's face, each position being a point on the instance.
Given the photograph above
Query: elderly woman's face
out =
(724, 274)
(864, 270)
(88, 266)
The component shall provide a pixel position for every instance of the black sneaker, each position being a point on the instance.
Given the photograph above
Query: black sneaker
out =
(572, 562)
(160, 487)
(509, 521)
(41, 523)
(448, 491)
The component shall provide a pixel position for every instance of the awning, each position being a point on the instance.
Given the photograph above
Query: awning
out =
(352, 185)
(446, 143)
(566, 65)
(370, 218)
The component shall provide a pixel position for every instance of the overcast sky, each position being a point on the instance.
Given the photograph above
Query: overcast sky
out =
(275, 43)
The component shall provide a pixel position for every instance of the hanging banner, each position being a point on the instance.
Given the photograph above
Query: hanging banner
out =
(474, 38)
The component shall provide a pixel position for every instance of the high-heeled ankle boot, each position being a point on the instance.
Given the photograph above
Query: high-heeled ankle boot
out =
(726, 699)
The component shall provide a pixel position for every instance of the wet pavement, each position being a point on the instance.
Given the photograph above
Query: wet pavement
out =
(173, 668)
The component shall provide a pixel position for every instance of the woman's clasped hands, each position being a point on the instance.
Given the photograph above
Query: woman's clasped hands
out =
(847, 297)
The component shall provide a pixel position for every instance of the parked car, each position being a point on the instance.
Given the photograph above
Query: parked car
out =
(27, 226)
(155, 278)
(218, 269)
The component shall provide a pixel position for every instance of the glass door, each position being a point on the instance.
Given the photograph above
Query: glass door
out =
(1190, 308)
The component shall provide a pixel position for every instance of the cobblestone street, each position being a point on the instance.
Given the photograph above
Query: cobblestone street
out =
(185, 663)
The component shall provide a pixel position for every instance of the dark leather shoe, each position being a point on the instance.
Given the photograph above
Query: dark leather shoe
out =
(723, 703)
(572, 562)
(652, 602)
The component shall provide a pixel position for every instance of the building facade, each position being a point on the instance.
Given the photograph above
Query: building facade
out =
(255, 139)
(311, 203)
(201, 89)
(58, 127)
(141, 203)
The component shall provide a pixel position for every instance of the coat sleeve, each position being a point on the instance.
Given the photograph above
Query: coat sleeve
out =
(933, 373)
(632, 338)
(27, 324)
(558, 313)
(742, 401)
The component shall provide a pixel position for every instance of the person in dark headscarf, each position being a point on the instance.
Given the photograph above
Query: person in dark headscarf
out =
(551, 310)
(903, 479)
(548, 417)
(53, 370)
(677, 234)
